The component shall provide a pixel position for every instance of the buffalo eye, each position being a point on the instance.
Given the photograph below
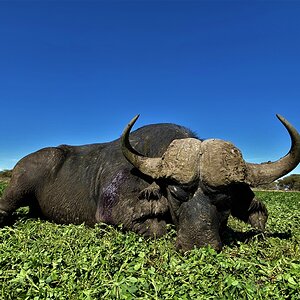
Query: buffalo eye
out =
(179, 193)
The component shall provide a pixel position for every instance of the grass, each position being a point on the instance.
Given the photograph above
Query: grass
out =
(42, 260)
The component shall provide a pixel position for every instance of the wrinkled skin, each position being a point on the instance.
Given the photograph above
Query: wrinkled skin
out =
(95, 183)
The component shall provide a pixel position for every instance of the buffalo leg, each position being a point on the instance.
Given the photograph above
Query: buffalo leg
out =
(14, 196)
(198, 224)
(10, 201)
(19, 192)
(27, 177)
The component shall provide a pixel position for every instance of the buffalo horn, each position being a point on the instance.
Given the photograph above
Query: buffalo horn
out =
(265, 173)
(146, 165)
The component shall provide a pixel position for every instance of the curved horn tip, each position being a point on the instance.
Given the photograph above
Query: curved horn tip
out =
(134, 119)
(281, 118)
(268, 172)
(292, 131)
(130, 125)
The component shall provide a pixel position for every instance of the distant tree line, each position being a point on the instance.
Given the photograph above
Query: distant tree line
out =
(288, 183)
(291, 183)
(5, 175)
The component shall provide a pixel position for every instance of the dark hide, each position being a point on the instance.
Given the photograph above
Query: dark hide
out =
(95, 183)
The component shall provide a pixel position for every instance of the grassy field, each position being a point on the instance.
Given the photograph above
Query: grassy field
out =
(41, 260)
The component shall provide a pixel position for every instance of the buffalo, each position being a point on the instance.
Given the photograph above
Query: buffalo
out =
(158, 174)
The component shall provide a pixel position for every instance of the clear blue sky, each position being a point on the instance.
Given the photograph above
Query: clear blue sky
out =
(76, 72)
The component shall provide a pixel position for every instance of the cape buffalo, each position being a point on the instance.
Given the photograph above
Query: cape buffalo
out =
(155, 175)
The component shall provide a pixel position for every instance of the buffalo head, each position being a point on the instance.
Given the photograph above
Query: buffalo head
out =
(205, 180)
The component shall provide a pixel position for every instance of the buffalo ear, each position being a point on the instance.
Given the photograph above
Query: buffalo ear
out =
(258, 215)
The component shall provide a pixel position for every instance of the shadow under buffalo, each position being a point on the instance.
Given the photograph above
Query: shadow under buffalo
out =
(231, 237)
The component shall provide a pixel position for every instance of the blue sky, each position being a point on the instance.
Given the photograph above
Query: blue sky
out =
(75, 72)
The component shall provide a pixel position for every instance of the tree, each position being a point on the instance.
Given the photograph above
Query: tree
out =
(5, 175)
(269, 186)
(291, 182)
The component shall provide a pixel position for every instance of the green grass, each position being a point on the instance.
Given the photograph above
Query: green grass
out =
(41, 260)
